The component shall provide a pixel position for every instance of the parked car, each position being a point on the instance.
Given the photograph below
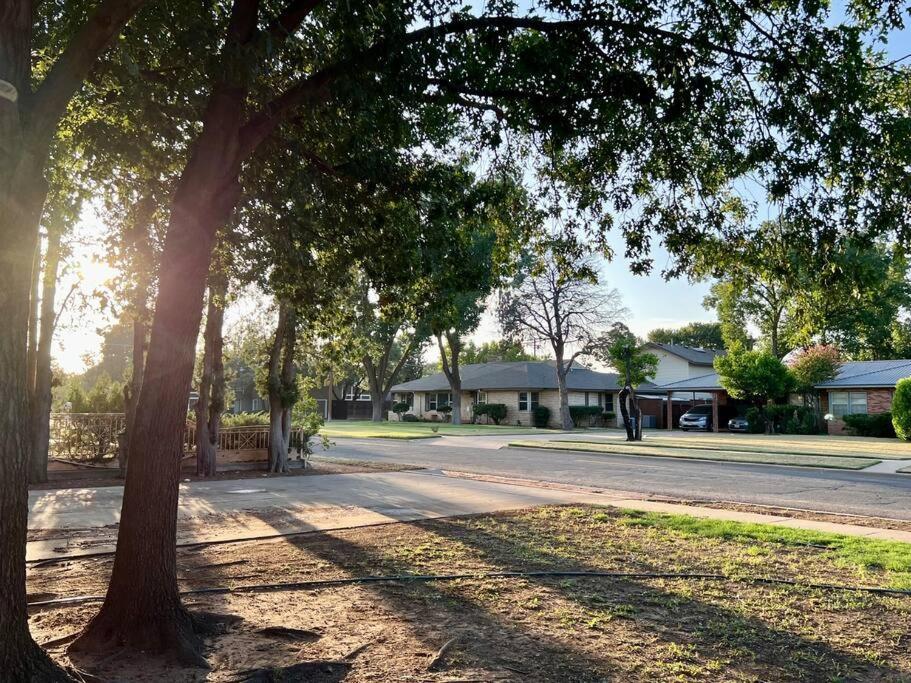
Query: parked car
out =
(738, 424)
(697, 417)
(700, 417)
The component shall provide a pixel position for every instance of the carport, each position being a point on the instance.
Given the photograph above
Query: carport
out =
(705, 388)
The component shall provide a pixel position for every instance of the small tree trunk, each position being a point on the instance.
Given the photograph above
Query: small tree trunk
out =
(282, 379)
(451, 370)
(624, 412)
(211, 396)
(566, 420)
(41, 407)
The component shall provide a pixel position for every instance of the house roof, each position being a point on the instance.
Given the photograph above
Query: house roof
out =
(709, 382)
(691, 354)
(869, 373)
(858, 373)
(516, 375)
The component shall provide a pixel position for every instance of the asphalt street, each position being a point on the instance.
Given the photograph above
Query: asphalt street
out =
(841, 491)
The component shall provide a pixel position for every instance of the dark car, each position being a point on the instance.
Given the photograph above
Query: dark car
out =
(738, 424)
(697, 417)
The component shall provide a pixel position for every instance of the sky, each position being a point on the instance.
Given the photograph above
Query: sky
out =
(652, 301)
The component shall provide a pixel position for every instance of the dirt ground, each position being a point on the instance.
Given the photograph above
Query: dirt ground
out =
(526, 629)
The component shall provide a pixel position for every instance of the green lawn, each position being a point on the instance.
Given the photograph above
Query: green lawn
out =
(644, 448)
(414, 430)
(843, 446)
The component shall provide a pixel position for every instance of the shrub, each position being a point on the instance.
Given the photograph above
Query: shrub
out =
(541, 416)
(445, 409)
(409, 417)
(878, 425)
(245, 419)
(756, 422)
(400, 408)
(581, 414)
(496, 412)
(782, 419)
(607, 416)
(901, 409)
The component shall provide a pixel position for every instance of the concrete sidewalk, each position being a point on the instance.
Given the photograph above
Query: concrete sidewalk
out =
(83, 521)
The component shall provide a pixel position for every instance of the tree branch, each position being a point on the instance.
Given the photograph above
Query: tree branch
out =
(75, 63)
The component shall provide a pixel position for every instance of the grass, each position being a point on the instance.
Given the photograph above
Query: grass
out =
(413, 430)
(858, 552)
(652, 627)
(843, 446)
(690, 452)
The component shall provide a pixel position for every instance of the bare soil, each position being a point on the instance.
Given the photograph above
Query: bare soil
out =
(527, 629)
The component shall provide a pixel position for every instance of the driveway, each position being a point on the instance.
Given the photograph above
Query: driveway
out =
(839, 491)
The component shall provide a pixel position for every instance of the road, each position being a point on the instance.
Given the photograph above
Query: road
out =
(841, 491)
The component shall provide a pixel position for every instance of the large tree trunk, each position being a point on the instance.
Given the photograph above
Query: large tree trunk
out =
(451, 370)
(211, 390)
(282, 378)
(375, 382)
(22, 192)
(632, 419)
(147, 614)
(41, 405)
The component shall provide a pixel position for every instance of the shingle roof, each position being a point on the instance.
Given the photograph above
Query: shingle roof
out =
(707, 382)
(869, 373)
(690, 354)
(516, 375)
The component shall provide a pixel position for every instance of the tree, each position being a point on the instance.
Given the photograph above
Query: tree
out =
(620, 349)
(754, 376)
(561, 303)
(211, 402)
(282, 386)
(696, 334)
(810, 367)
(28, 121)
(680, 135)
(500, 350)
(901, 409)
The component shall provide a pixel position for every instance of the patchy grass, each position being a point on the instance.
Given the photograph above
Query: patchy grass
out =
(669, 451)
(556, 629)
(854, 551)
(414, 430)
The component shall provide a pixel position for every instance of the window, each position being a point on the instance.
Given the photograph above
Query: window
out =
(528, 400)
(257, 404)
(359, 396)
(437, 400)
(843, 403)
(480, 397)
(586, 398)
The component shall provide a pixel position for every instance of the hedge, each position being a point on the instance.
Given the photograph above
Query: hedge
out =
(541, 416)
(495, 411)
(579, 413)
(878, 425)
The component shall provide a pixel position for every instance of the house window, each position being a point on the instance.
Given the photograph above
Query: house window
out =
(359, 396)
(480, 397)
(528, 400)
(600, 400)
(843, 403)
(437, 400)
(586, 398)
(257, 404)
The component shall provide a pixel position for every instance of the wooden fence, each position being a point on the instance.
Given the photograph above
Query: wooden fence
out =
(93, 437)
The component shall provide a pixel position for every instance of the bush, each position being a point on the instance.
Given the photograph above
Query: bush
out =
(782, 419)
(607, 416)
(409, 417)
(244, 419)
(541, 416)
(878, 425)
(445, 409)
(581, 414)
(901, 409)
(496, 412)
(400, 408)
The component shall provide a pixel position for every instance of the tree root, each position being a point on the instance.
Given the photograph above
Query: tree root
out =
(305, 672)
(436, 661)
(176, 635)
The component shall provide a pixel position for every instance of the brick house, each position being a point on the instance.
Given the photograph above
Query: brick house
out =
(864, 386)
(521, 386)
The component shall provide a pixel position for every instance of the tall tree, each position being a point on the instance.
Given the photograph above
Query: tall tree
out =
(34, 95)
(663, 102)
(560, 302)
(696, 334)
(211, 402)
